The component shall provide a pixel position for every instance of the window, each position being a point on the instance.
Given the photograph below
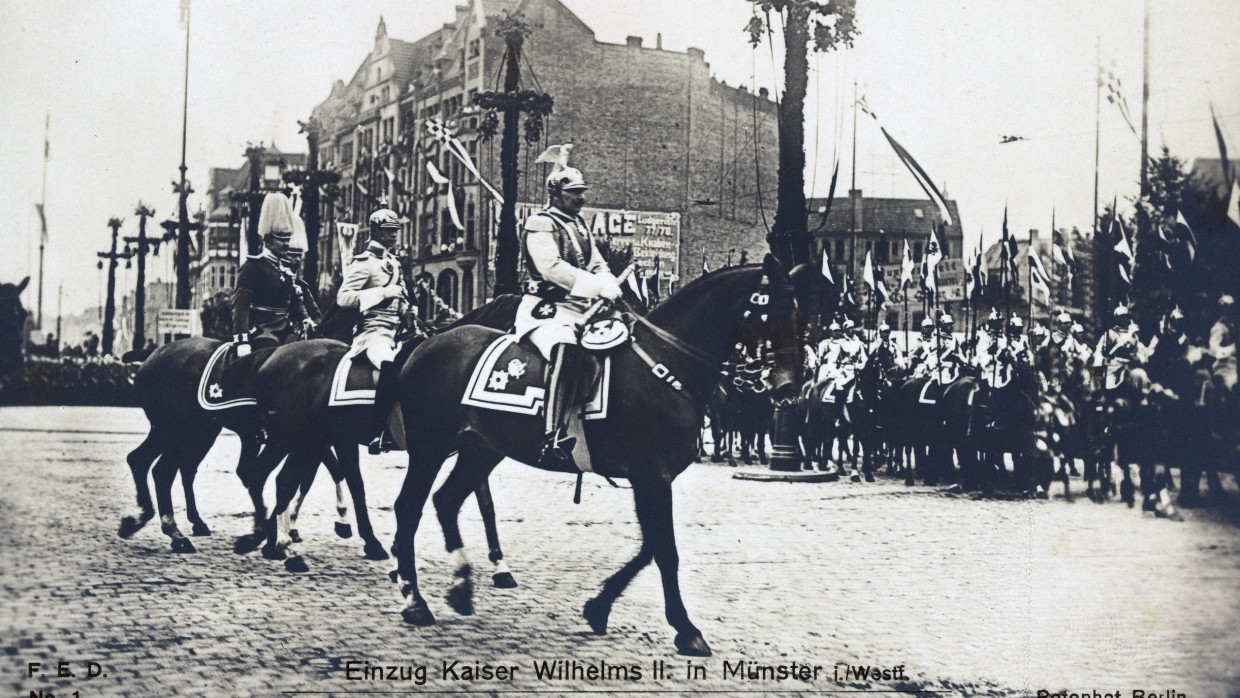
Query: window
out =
(471, 214)
(386, 93)
(916, 251)
(895, 250)
(839, 250)
(475, 48)
(346, 154)
(446, 287)
(271, 173)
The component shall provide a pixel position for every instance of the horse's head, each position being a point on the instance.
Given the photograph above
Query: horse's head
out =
(753, 304)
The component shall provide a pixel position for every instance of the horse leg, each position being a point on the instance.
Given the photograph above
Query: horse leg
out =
(267, 460)
(473, 465)
(297, 469)
(140, 460)
(189, 471)
(419, 477)
(351, 467)
(343, 527)
(175, 459)
(653, 499)
(501, 576)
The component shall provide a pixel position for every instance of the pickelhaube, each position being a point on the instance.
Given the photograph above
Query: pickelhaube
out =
(566, 179)
(1016, 322)
(384, 218)
(927, 322)
(835, 327)
(946, 319)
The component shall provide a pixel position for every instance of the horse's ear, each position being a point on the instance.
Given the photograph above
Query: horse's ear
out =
(772, 268)
(22, 286)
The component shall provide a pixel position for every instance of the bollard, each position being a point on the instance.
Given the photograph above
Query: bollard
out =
(785, 441)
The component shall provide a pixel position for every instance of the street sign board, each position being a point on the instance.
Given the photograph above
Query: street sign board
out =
(174, 322)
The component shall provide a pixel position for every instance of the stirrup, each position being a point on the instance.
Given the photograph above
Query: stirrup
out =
(557, 452)
(380, 444)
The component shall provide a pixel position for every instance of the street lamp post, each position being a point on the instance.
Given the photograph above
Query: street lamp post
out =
(109, 312)
(142, 245)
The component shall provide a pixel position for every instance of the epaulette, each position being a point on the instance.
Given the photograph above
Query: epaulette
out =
(540, 222)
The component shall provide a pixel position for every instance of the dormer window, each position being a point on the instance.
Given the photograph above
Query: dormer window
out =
(918, 213)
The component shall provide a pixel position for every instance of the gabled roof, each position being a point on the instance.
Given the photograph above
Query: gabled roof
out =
(886, 215)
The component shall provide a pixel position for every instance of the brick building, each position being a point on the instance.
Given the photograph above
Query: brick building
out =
(1075, 297)
(668, 150)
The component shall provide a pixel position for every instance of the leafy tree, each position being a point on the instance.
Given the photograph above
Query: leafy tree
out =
(830, 25)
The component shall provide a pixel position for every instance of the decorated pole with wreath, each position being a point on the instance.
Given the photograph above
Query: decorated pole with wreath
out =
(313, 182)
(512, 102)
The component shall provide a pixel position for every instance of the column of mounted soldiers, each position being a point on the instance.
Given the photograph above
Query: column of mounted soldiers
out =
(1095, 401)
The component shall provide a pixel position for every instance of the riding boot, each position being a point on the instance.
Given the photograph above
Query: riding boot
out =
(557, 448)
(385, 398)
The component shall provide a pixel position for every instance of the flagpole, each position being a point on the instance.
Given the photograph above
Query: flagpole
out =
(47, 123)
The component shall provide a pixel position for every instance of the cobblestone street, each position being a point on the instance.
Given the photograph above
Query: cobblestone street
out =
(990, 597)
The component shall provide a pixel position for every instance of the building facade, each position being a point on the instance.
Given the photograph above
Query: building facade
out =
(658, 138)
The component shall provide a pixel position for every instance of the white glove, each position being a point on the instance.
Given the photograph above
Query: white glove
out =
(588, 285)
(610, 288)
(243, 350)
(393, 291)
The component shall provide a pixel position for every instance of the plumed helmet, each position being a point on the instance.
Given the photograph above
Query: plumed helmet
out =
(567, 179)
(384, 218)
(276, 217)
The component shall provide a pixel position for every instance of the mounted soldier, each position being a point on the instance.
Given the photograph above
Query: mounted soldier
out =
(265, 296)
(1117, 349)
(374, 284)
(921, 354)
(566, 274)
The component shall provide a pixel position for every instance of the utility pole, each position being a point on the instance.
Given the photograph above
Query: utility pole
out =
(1145, 106)
(47, 124)
(511, 104)
(109, 311)
(142, 244)
(183, 188)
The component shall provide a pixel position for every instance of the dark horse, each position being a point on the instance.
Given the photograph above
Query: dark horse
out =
(688, 338)
(182, 433)
(292, 387)
(12, 321)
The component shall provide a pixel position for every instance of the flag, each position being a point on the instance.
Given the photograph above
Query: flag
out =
(867, 272)
(1228, 176)
(848, 302)
(1121, 246)
(906, 267)
(977, 276)
(1233, 203)
(929, 264)
(1061, 254)
(184, 20)
(1038, 278)
(1111, 85)
(922, 178)
(705, 269)
(1185, 234)
(636, 285)
(826, 266)
(653, 281)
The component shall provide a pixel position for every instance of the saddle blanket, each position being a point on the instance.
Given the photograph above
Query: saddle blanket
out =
(509, 378)
(214, 391)
(353, 384)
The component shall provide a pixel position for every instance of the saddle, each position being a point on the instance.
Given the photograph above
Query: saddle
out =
(510, 377)
(226, 379)
(355, 382)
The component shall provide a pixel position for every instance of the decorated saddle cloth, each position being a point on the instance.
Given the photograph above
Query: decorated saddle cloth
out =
(353, 384)
(935, 386)
(226, 379)
(509, 377)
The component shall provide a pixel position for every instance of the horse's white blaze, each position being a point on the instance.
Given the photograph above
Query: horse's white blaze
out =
(501, 567)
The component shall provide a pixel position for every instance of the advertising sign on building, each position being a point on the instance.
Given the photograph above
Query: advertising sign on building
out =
(650, 234)
(177, 323)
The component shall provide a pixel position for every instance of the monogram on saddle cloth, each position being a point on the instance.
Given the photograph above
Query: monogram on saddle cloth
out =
(509, 377)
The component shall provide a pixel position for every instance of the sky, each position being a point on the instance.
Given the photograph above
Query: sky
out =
(947, 78)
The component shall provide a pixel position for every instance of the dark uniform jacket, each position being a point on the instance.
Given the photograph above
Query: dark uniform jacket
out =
(263, 300)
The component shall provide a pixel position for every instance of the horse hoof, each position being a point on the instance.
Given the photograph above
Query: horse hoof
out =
(374, 551)
(716, 459)
(294, 535)
(869, 477)
(461, 597)
(296, 564)
(504, 580)
(596, 613)
(272, 552)
(418, 615)
(854, 478)
(344, 530)
(200, 529)
(692, 645)
(129, 526)
(182, 545)
(247, 544)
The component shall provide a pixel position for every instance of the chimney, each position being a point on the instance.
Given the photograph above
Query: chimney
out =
(696, 53)
(658, 41)
(633, 41)
(763, 92)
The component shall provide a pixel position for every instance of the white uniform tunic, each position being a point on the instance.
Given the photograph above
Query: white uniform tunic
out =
(365, 281)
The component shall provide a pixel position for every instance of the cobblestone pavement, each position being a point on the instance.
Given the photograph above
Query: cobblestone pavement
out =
(990, 597)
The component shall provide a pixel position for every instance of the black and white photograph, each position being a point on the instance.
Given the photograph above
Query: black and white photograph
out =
(574, 348)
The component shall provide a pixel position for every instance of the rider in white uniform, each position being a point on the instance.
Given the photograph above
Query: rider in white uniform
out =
(566, 275)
